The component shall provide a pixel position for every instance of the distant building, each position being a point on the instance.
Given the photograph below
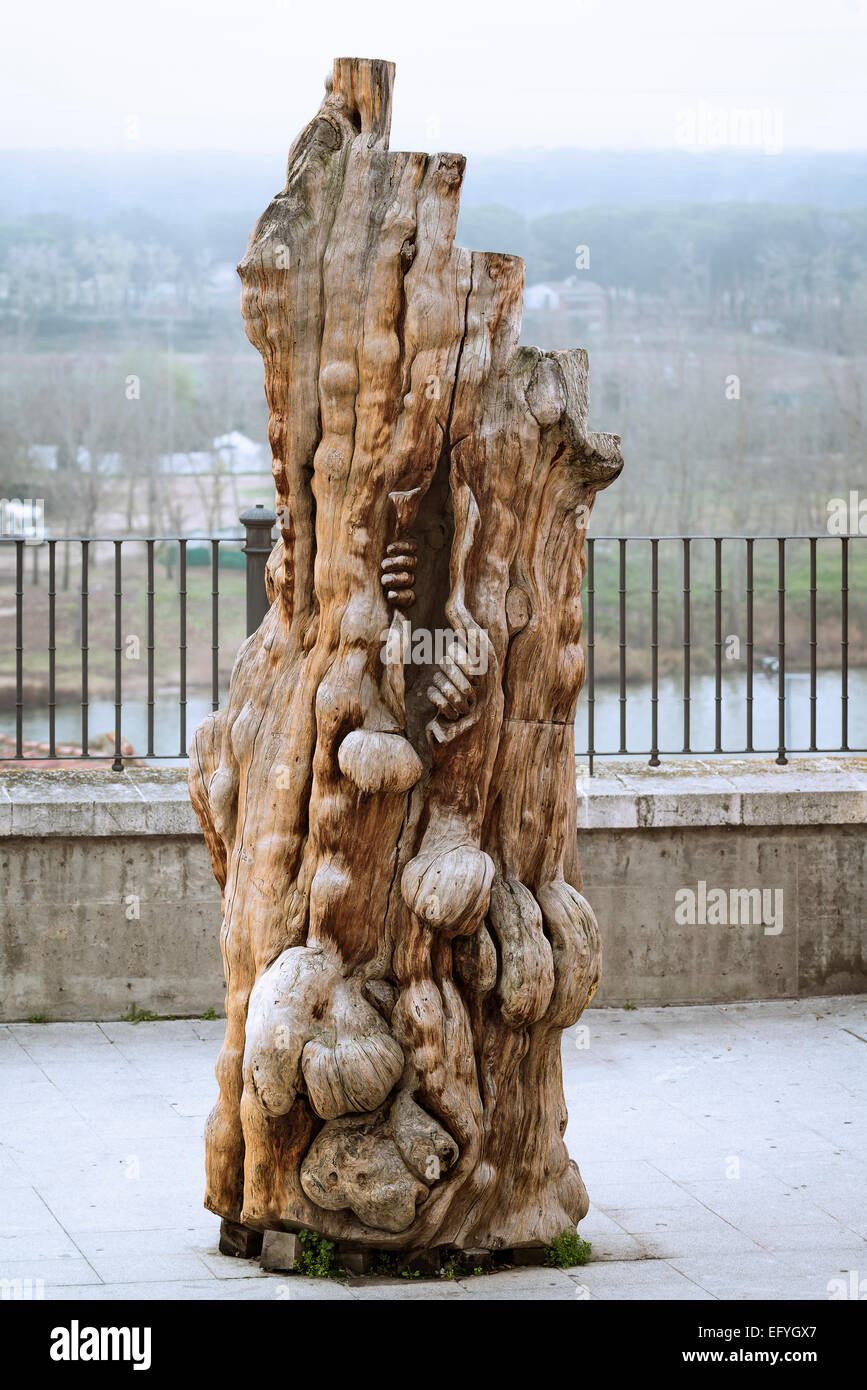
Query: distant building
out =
(238, 454)
(232, 453)
(583, 299)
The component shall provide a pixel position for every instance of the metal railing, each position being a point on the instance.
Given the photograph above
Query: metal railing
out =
(258, 523)
(622, 636)
(776, 665)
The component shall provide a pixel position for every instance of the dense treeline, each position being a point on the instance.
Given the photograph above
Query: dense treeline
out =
(729, 263)
(800, 269)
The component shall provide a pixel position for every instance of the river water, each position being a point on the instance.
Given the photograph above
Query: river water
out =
(167, 742)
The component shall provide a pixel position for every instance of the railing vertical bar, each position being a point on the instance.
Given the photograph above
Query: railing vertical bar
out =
(150, 647)
(19, 648)
(654, 652)
(813, 645)
(750, 656)
(52, 647)
(215, 624)
(717, 620)
(622, 644)
(686, 645)
(117, 765)
(182, 645)
(85, 559)
(591, 652)
(844, 646)
(781, 649)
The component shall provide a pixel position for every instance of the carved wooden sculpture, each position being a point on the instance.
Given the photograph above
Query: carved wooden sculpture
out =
(391, 813)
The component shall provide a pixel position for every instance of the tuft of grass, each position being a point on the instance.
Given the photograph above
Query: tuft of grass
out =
(566, 1250)
(629, 1006)
(38, 1018)
(384, 1263)
(318, 1258)
(136, 1015)
(208, 1016)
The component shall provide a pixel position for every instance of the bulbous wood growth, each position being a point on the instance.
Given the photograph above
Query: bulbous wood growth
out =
(389, 795)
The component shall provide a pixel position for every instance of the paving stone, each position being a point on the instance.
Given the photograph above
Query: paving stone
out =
(629, 1280)
(175, 1240)
(135, 1268)
(290, 1290)
(817, 1236)
(406, 1290)
(50, 1244)
(648, 1220)
(33, 1278)
(756, 1274)
(521, 1284)
(230, 1266)
(608, 1239)
(667, 1245)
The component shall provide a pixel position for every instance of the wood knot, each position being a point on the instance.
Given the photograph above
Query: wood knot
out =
(518, 609)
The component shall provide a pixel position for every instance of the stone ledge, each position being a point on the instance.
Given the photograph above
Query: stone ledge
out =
(729, 791)
(624, 795)
(96, 802)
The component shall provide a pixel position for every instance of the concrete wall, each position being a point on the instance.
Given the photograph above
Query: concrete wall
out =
(797, 833)
(107, 897)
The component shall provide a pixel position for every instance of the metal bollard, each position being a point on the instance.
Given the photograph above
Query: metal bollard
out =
(258, 523)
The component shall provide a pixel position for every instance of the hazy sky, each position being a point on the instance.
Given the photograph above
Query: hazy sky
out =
(472, 75)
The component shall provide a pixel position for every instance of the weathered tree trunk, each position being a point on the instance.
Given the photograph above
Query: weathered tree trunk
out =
(392, 814)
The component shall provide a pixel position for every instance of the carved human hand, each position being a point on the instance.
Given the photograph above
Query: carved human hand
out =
(398, 572)
(453, 691)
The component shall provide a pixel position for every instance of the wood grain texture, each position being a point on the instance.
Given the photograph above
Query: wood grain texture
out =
(391, 812)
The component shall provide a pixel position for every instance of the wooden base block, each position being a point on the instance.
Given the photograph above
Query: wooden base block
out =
(355, 1261)
(239, 1240)
(529, 1255)
(422, 1261)
(476, 1259)
(281, 1251)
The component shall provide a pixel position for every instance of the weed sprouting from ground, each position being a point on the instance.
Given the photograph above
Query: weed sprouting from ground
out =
(136, 1015)
(566, 1250)
(318, 1259)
